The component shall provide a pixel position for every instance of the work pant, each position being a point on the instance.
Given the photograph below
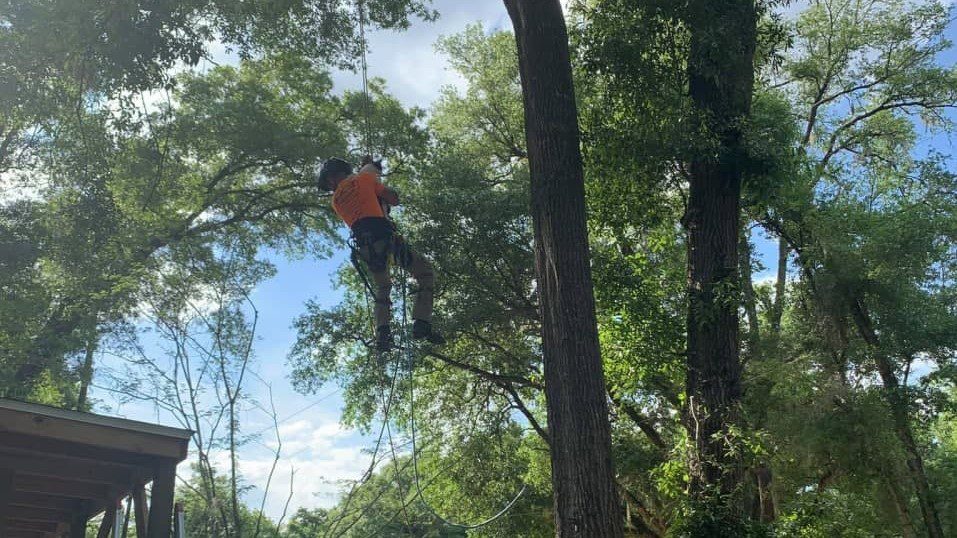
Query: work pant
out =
(377, 255)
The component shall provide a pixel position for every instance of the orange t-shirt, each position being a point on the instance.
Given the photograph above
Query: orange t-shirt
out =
(357, 197)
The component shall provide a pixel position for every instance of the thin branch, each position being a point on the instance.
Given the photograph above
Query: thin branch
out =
(491, 376)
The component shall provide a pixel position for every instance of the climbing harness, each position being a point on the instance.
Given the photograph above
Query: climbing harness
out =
(357, 264)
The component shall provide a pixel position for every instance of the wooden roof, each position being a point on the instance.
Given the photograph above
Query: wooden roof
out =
(60, 464)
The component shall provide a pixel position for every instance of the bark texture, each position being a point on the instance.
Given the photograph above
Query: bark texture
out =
(900, 504)
(721, 80)
(585, 495)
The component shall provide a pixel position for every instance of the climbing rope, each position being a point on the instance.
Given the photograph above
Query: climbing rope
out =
(364, 65)
(407, 346)
(386, 412)
(416, 478)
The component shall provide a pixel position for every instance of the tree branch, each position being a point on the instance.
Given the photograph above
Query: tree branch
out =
(491, 376)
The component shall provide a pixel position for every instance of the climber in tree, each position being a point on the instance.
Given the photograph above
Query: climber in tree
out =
(358, 200)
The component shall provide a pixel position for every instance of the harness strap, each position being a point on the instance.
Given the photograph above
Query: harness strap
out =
(355, 259)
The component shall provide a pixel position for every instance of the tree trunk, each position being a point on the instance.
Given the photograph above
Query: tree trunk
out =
(900, 504)
(86, 374)
(763, 504)
(767, 508)
(915, 463)
(780, 286)
(585, 495)
(721, 78)
(897, 400)
(750, 302)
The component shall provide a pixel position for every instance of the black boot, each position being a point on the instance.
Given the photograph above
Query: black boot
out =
(383, 341)
(422, 330)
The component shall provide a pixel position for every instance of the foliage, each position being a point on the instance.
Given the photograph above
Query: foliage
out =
(105, 45)
(142, 202)
(128, 192)
(206, 519)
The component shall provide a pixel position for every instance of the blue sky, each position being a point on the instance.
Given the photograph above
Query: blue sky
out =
(319, 449)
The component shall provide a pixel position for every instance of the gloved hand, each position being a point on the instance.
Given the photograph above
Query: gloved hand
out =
(368, 160)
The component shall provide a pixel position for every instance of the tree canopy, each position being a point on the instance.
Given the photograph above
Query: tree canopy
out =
(148, 192)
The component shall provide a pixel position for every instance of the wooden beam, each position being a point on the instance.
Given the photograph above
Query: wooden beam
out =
(44, 445)
(15, 523)
(73, 459)
(27, 534)
(6, 496)
(109, 519)
(66, 468)
(161, 505)
(62, 488)
(87, 433)
(30, 513)
(141, 510)
(46, 502)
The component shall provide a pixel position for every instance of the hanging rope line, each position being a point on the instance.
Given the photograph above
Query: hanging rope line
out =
(386, 412)
(407, 346)
(354, 258)
(364, 65)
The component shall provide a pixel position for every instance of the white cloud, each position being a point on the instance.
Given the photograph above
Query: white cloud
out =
(304, 434)
(320, 452)
(316, 480)
(407, 60)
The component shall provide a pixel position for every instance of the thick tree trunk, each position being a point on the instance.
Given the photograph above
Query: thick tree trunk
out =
(586, 498)
(714, 370)
(721, 77)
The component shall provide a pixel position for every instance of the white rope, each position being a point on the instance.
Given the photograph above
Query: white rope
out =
(364, 64)
(410, 364)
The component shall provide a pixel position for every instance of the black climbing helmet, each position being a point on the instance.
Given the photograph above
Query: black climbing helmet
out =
(333, 167)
